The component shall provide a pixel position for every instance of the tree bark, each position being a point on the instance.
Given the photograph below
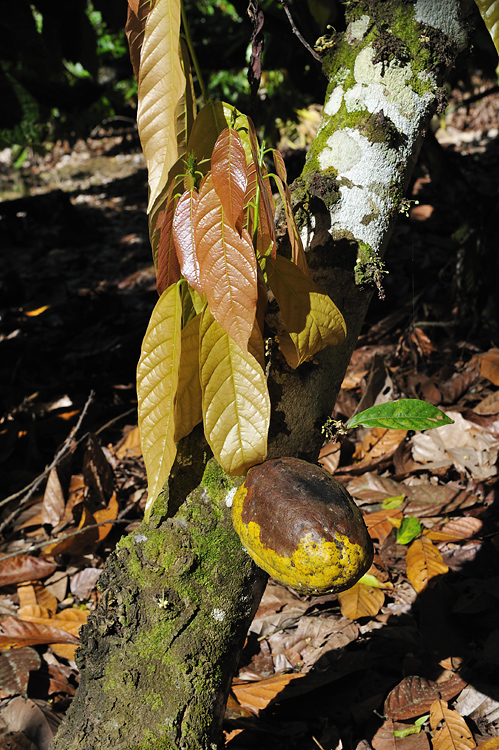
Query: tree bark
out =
(179, 594)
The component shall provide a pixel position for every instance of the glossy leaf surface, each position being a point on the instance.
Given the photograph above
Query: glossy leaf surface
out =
(161, 83)
(227, 267)
(157, 379)
(236, 404)
(228, 171)
(404, 414)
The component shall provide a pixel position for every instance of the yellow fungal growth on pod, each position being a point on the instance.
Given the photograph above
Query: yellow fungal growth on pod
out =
(300, 525)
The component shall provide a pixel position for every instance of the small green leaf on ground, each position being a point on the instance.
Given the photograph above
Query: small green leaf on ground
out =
(409, 529)
(393, 502)
(404, 414)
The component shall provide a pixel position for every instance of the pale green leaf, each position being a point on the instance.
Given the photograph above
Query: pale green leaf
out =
(404, 414)
(157, 381)
(392, 502)
(489, 10)
(161, 84)
(311, 318)
(236, 404)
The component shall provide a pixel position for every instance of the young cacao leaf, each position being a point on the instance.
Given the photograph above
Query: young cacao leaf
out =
(227, 266)
(188, 403)
(311, 318)
(134, 30)
(489, 10)
(172, 186)
(161, 83)
(236, 404)
(259, 224)
(157, 381)
(297, 252)
(209, 123)
(228, 172)
(265, 194)
(183, 234)
(186, 108)
(168, 268)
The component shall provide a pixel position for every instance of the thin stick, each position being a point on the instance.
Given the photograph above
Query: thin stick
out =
(34, 485)
(192, 53)
(40, 545)
(297, 33)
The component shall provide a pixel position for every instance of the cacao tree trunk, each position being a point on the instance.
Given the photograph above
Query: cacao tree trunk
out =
(179, 593)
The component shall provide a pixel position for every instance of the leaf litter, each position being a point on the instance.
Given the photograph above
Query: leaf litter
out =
(409, 657)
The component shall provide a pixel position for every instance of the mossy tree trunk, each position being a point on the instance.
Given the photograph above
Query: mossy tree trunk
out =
(158, 655)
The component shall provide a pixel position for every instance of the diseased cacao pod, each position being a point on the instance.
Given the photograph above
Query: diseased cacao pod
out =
(300, 525)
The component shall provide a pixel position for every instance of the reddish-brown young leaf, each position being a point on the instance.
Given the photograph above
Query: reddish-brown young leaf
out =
(297, 251)
(265, 206)
(229, 175)
(227, 267)
(24, 568)
(168, 267)
(184, 238)
(15, 666)
(138, 10)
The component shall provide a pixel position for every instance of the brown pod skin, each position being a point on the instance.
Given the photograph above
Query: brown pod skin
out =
(301, 526)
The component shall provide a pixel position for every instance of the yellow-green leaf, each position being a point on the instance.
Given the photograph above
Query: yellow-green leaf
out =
(311, 318)
(188, 404)
(227, 266)
(236, 404)
(161, 84)
(157, 381)
(489, 10)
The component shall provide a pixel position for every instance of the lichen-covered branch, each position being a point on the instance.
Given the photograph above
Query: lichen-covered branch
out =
(385, 75)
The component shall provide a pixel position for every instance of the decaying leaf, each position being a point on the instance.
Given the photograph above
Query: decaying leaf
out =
(450, 731)
(258, 695)
(424, 561)
(16, 633)
(24, 568)
(385, 739)
(15, 666)
(361, 601)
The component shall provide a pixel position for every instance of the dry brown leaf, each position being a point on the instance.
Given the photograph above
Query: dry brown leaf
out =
(489, 405)
(450, 731)
(15, 666)
(24, 568)
(15, 633)
(412, 697)
(353, 379)
(53, 500)
(35, 593)
(129, 447)
(234, 710)
(258, 695)
(379, 442)
(69, 620)
(456, 529)
(492, 744)
(76, 495)
(64, 650)
(381, 522)
(329, 456)
(26, 719)
(361, 601)
(109, 513)
(83, 582)
(489, 365)
(384, 739)
(424, 561)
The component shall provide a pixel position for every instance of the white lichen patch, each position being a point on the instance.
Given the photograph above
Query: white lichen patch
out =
(442, 15)
(357, 29)
(139, 538)
(334, 102)
(218, 615)
(229, 497)
(366, 172)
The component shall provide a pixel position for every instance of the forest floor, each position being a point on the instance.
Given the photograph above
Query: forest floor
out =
(406, 660)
